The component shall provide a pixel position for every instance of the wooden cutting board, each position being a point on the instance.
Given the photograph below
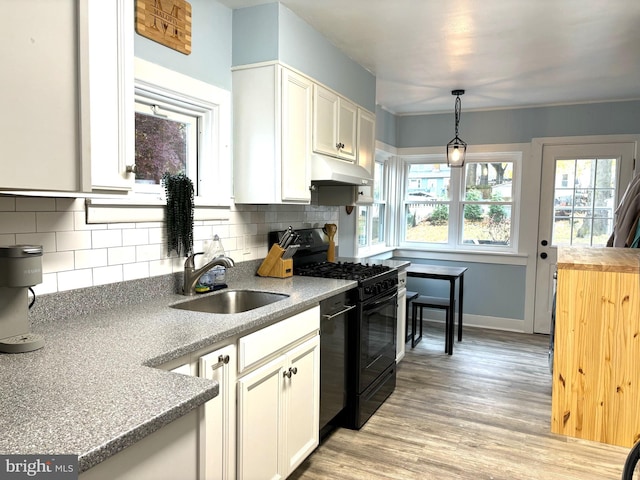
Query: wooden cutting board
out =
(167, 22)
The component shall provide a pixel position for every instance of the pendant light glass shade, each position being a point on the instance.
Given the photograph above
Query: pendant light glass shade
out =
(456, 148)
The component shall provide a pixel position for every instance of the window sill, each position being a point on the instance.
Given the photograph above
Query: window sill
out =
(139, 210)
(483, 256)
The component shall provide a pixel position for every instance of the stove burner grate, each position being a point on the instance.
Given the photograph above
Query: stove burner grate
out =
(341, 270)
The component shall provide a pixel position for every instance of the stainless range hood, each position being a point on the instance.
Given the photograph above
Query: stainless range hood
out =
(332, 171)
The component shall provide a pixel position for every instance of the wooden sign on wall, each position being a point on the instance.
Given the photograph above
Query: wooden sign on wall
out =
(165, 21)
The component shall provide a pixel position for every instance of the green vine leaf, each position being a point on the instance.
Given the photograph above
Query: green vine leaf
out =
(179, 213)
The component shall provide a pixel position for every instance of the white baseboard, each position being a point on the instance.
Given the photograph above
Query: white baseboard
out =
(481, 321)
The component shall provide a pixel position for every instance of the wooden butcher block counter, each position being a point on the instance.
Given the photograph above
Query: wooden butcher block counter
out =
(596, 370)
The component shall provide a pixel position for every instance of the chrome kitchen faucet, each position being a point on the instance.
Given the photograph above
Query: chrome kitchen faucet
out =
(192, 275)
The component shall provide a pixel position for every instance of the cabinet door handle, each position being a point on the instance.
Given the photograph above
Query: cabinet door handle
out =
(290, 372)
(339, 145)
(222, 360)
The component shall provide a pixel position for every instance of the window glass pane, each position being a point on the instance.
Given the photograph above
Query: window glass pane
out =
(378, 182)
(584, 201)
(362, 226)
(491, 180)
(427, 222)
(377, 223)
(161, 146)
(487, 224)
(428, 181)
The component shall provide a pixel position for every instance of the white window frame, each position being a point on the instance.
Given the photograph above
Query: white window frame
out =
(214, 177)
(381, 245)
(456, 204)
(197, 122)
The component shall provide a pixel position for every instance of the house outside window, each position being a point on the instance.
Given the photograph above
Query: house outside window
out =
(166, 140)
(467, 208)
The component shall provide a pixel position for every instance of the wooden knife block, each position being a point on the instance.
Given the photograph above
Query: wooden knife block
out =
(274, 266)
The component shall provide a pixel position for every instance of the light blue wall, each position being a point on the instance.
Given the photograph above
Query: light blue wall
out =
(210, 58)
(386, 126)
(255, 34)
(520, 125)
(273, 32)
(490, 290)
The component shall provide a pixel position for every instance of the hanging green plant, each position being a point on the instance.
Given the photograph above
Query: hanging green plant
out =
(179, 213)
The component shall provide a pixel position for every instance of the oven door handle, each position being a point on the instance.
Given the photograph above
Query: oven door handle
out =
(381, 301)
(348, 307)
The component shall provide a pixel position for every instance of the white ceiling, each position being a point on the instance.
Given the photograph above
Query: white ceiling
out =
(504, 53)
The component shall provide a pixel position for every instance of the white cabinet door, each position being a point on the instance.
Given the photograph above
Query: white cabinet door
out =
(272, 136)
(167, 454)
(218, 438)
(260, 418)
(325, 120)
(278, 412)
(347, 130)
(302, 398)
(69, 91)
(39, 129)
(334, 124)
(297, 97)
(366, 139)
(106, 92)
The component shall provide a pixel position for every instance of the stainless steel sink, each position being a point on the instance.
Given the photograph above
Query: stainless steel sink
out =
(231, 301)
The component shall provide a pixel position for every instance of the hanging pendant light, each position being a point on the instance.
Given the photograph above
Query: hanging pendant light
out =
(456, 148)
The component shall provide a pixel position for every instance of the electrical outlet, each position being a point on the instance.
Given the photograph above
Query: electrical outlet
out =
(246, 245)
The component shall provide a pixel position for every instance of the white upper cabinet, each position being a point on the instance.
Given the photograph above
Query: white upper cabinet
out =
(69, 95)
(272, 135)
(366, 139)
(334, 124)
(106, 81)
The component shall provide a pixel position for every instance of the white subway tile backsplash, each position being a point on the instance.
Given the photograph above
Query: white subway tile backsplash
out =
(14, 222)
(160, 267)
(91, 258)
(73, 240)
(157, 235)
(57, 262)
(80, 222)
(8, 239)
(135, 236)
(131, 271)
(54, 221)
(106, 238)
(75, 279)
(80, 255)
(145, 253)
(49, 284)
(35, 204)
(120, 255)
(7, 204)
(70, 204)
(104, 275)
(47, 240)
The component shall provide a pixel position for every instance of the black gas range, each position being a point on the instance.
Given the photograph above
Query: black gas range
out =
(370, 344)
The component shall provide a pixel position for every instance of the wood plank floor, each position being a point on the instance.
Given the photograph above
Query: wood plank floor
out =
(483, 413)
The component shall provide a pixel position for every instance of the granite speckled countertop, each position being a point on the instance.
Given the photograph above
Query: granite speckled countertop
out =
(92, 390)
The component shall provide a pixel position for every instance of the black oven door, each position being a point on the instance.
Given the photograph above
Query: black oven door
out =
(377, 337)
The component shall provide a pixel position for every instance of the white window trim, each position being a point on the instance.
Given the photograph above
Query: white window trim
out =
(156, 80)
(381, 246)
(515, 153)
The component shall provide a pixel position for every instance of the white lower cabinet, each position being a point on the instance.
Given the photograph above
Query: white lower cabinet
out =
(278, 408)
(217, 438)
(168, 454)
